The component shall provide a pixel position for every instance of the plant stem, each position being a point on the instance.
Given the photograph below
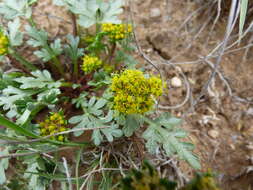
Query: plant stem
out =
(31, 21)
(112, 52)
(23, 61)
(58, 65)
(55, 59)
(75, 68)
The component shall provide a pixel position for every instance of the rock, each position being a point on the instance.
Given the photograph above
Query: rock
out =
(232, 146)
(155, 12)
(249, 111)
(213, 133)
(249, 146)
(176, 82)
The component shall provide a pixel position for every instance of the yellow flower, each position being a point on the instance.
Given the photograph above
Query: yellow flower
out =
(91, 63)
(117, 31)
(55, 123)
(133, 91)
(4, 42)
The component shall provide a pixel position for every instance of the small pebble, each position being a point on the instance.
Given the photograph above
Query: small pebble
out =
(232, 146)
(176, 82)
(155, 12)
(213, 133)
(249, 111)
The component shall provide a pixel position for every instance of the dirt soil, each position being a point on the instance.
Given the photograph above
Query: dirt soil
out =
(220, 126)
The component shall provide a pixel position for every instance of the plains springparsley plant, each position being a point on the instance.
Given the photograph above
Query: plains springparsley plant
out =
(55, 123)
(134, 93)
(91, 63)
(94, 82)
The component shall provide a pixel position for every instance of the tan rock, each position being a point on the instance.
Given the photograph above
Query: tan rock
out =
(213, 133)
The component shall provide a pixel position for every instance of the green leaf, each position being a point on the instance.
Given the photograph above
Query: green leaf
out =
(95, 118)
(168, 121)
(91, 12)
(82, 121)
(43, 54)
(17, 100)
(4, 164)
(131, 125)
(243, 13)
(92, 101)
(35, 181)
(9, 96)
(24, 117)
(11, 9)
(153, 140)
(72, 49)
(100, 103)
(15, 35)
(162, 132)
(110, 11)
(182, 152)
(6, 123)
(100, 79)
(38, 37)
(81, 100)
(47, 53)
(40, 79)
(56, 47)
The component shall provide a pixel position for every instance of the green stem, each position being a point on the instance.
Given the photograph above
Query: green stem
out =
(75, 68)
(23, 61)
(58, 65)
(31, 21)
(56, 61)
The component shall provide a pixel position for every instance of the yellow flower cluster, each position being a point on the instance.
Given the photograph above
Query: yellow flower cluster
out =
(117, 31)
(91, 63)
(133, 91)
(55, 123)
(3, 44)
